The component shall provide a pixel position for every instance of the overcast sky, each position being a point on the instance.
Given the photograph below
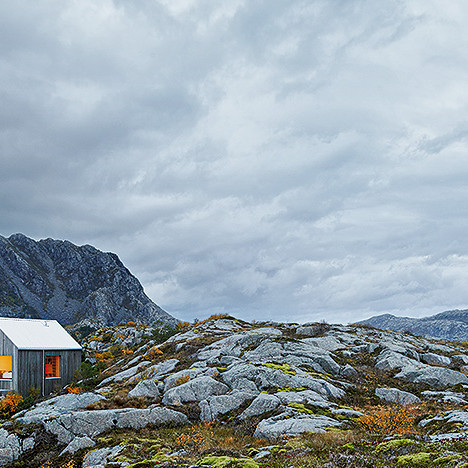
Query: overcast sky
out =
(274, 159)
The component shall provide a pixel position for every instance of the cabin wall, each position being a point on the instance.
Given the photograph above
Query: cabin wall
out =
(31, 365)
(30, 370)
(7, 348)
(70, 361)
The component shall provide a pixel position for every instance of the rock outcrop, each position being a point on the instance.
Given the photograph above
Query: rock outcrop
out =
(277, 380)
(58, 280)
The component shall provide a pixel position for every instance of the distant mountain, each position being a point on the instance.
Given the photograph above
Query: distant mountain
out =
(449, 325)
(56, 279)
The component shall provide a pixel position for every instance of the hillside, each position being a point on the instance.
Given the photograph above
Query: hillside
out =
(227, 393)
(58, 280)
(449, 325)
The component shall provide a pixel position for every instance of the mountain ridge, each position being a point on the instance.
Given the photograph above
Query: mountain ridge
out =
(447, 325)
(56, 279)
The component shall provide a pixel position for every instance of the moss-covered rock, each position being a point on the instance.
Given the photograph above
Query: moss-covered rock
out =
(286, 368)
(447, 460)
(392, 445)
(228, 462)
(416, 459)
(300, 407)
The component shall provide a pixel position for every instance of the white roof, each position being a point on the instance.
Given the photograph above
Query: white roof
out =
(37, 334)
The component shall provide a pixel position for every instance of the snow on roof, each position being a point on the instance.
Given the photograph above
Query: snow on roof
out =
(37, 334)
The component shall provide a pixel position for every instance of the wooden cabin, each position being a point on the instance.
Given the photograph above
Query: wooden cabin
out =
(36, 353)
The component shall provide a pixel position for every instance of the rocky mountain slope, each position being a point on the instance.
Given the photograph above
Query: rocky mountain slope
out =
(450, 325)
(58, 280)
(227, 393)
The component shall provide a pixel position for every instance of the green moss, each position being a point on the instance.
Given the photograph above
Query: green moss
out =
(286, 368)
(319, 374)
(300, 407)
(228, 462)
(104, 440)
(295, 443)
(122, 459)
(221, 369)
(391, 445)
(278, 449)
(349, 446)
(155, 447)
(291, 389)
(446, 460)
(416, 459)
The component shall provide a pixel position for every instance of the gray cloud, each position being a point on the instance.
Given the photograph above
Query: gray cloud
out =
(286, 160)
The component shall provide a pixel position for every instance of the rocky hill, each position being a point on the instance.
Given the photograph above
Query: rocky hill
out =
(58, 280)
(227, 393)
(450, 325)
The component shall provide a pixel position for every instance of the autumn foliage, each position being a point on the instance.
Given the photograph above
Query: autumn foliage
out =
(196, 439)
(389, 420)
(74, 389)
(10, 404)
(153, 353)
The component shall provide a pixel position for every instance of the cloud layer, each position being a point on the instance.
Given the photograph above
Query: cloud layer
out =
(286, 160)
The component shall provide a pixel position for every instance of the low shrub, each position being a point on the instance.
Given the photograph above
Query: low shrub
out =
(389, 420)
(10, 404)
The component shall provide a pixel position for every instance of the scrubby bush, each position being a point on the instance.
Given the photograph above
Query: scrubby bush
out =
(389, 420)
(10, 404)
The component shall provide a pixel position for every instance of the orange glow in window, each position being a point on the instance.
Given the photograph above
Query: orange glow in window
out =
(52, 367)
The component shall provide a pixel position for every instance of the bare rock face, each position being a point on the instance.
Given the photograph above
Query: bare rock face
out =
(449, 325)
(279, 426)
(58, 280)
(395, 395)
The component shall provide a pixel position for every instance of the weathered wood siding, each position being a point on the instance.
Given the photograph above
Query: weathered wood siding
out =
(7, 348)
(30, 370)
(31, 365)
(70, 361)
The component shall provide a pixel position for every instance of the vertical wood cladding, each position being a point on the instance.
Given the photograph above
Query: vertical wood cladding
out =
(7, 348)
(70, 360)
(31, 365)
(30, 370)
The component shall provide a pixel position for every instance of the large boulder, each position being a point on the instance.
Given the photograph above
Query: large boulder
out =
(276, 427)
(92, 423)
(435, 359)
(145, 388)
(394, 395)
(217, 405)
(307, 397)
(10, 447)
(264, 403)
(267, 375)
(434, 376)
(78, 443)
(174, 380)
(57, 406)
(124, 375)
(156, 371)
(197, 389)
(99, 458)
(295, 353)
(389, 360)
(327, 343)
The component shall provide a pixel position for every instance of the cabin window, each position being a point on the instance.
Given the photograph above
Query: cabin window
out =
(6, 367)
(52, 367)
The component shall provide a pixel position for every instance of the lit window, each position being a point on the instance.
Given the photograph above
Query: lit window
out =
(52, 367)
(5, 367)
